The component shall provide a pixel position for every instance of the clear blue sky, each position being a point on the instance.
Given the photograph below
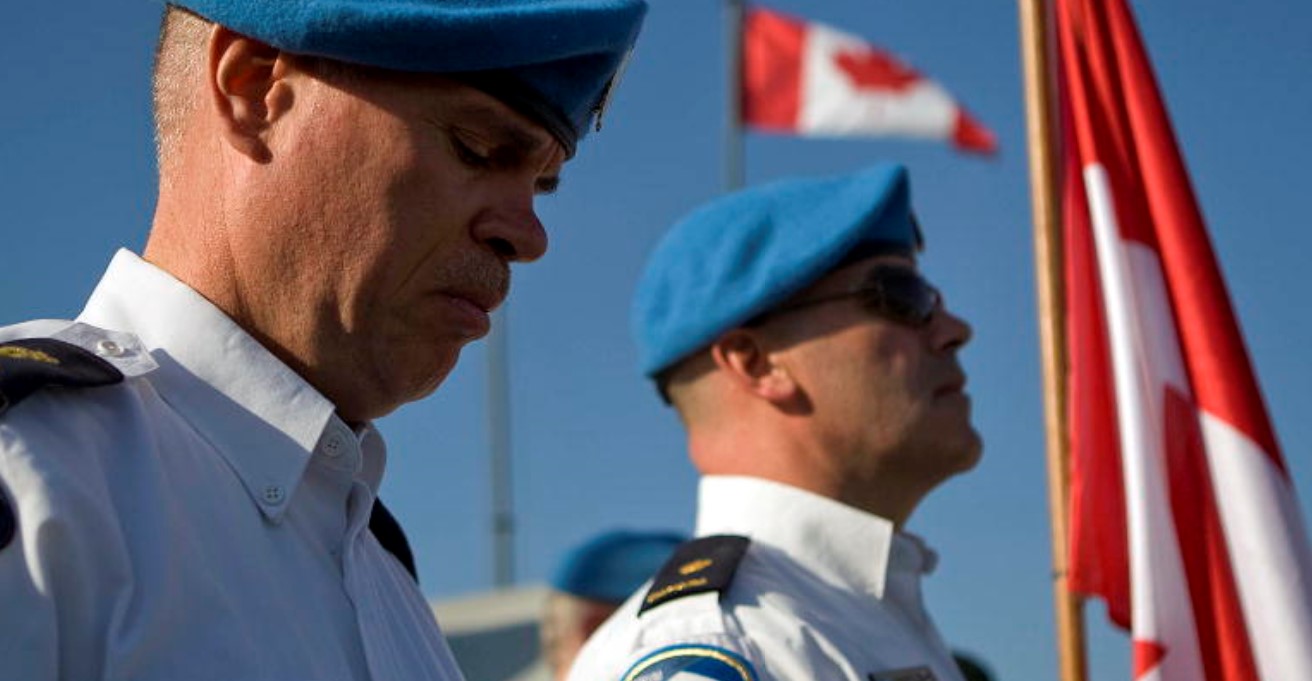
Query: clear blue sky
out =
(592, 446)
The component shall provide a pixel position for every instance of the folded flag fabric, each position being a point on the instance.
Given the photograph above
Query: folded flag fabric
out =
(809, 79)
(1183, 514)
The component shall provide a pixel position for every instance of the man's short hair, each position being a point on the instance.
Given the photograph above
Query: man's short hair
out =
(179, 65)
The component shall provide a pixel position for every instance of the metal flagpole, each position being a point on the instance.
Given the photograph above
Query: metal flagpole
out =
(1035, 22)
(498, 439)
(733, 146)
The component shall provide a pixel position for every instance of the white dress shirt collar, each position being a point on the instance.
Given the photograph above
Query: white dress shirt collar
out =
(218, 376)
(858, 549)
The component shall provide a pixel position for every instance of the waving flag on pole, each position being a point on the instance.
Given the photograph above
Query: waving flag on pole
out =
(1183, 514)
(809, 79)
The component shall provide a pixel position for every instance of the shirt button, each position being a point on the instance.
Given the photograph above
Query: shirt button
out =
(274, 494)
(109, 348)
(332, 447)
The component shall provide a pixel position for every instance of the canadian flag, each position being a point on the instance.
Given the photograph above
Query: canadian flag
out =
(809, 79)
(1183, 514)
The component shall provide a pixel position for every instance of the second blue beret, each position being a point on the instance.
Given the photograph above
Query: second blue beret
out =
(612, 565)
(744, 253)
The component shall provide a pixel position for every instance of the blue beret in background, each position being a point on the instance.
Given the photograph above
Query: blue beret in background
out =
(555, 58)
(612, 565)
(746, 252)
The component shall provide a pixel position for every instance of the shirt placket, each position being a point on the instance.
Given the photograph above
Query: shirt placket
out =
(906, 600)
(372, 625)
(340, 449)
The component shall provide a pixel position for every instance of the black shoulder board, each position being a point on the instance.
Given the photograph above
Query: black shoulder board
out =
(27, 366)
(701, 565)
(388, 532)
(8, 524)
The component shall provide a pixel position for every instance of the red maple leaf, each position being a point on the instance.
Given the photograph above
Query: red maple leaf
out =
(874, 70)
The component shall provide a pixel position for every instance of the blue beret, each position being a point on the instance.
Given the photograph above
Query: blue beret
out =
(554, 60)
(612, 565)
(744, 253)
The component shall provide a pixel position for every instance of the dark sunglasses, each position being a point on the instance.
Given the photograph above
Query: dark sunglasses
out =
(898, 294)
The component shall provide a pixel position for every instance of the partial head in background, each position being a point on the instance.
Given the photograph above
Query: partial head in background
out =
(351, 181)
(591, 582)
(791, 328)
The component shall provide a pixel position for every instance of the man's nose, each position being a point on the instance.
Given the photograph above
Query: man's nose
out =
(514, 232)
(950, 332)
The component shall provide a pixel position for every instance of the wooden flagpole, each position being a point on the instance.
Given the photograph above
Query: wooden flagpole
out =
(1045, 203)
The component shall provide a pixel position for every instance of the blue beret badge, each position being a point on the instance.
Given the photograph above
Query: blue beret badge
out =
(691, 661)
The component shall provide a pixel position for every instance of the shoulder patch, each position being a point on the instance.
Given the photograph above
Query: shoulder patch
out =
(691, 661)
(8, 523)
(27, 366)
(701, 565)
(388, 532)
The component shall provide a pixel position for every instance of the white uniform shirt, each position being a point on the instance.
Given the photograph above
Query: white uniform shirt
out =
(205, 519)
(824, 591)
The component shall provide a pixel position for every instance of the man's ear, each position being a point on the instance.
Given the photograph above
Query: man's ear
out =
(246, 89)
(742, 355)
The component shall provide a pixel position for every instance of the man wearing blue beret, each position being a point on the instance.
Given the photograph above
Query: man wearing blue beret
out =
(188, 471)
(590, 584)
(816, 373)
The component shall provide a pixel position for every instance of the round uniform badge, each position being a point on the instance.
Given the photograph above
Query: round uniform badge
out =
(691, 662)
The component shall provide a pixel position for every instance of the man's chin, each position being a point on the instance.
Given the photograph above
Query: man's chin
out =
(434, 380)
(972, 450)
(416, 380)
(961, 453)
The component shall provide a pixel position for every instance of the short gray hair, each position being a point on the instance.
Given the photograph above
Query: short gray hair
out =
(179, 65)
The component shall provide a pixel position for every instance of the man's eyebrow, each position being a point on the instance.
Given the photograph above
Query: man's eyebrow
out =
(504, 130)
(515, 136)
(511, 136)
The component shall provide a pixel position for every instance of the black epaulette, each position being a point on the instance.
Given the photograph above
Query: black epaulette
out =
(701, 565)
(29, 365)
(388, 532)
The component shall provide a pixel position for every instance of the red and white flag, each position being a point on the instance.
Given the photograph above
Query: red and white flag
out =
(1183, 513)
(806, 78)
